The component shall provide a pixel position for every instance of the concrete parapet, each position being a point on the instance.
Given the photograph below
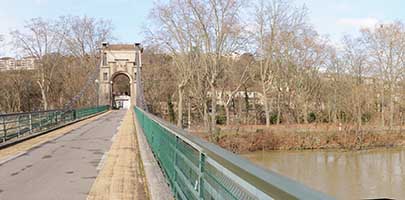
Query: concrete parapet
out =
(155, 180)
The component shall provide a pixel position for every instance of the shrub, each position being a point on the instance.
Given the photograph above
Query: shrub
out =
(365, 117)
(311, 117)
(221, 119)
(273, 118)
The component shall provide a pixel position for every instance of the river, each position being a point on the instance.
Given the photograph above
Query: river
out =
(367, 174)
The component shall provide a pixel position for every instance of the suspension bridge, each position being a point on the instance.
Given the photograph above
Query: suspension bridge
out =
(101, 153)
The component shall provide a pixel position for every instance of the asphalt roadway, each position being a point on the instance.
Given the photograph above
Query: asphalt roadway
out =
(64, 168)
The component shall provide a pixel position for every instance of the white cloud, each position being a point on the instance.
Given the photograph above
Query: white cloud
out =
(357, 22)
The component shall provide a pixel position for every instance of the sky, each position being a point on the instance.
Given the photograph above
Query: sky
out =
(332, 18)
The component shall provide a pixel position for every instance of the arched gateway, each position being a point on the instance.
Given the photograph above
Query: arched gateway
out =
(118, 74)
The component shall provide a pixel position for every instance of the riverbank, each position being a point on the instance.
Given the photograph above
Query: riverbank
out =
(243, 139)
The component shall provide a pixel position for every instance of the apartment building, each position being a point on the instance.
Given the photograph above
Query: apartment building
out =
(9, 63)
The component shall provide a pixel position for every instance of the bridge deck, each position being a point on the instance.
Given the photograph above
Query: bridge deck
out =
(64, 167)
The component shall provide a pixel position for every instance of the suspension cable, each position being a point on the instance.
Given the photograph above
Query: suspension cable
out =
(90, 80)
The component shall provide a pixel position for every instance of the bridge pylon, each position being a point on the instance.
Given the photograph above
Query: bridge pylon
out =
(118, 60)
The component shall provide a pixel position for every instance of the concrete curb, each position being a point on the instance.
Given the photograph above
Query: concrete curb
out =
(157, 186)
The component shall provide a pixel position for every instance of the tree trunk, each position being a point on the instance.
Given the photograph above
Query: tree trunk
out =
(254, 109)
(278, 108)
(334, 107)
(206, 123)
(246, 106)
(44, 99)
(228, 117)
(358, 110)
(305, 112)
(172, 116)
(240, 112)
(266, 106)
(213, 110)
(392, 106)
(189, 114)
(382, 107)
(180, 108)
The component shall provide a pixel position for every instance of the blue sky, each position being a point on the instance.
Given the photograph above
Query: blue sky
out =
(330, 17)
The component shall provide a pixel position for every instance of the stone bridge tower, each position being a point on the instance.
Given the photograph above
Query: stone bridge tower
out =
(118, 59)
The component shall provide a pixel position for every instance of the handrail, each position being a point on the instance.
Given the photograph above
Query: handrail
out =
(196, 169)
(16, 125)
(21, 113)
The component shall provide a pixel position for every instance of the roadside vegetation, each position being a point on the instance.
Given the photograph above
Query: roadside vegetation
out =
(225, 64)
(66, 51)
(250, 138)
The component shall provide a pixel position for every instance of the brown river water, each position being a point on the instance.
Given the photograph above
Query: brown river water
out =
(378, 173)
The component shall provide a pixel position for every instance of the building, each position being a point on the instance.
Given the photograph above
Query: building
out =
(118, 60)
(7, 63)
(25, 63)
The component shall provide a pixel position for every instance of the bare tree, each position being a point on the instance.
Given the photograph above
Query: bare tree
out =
(355, 61)
(276, 22)
(85, 34)
(217, 21)
(82, 41)
(41, 39)
(66, 47)
(237, 75)
(334, 88)
(308, 59)
(386, 47)
(158, 72)
(177, 35)
(203, 30)
(299, 75)
(199, 91)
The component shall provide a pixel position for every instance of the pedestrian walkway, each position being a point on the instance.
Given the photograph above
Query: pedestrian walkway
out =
(121, 176)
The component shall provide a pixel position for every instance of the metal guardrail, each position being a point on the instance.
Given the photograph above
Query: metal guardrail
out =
(18, 125)
(196, 169)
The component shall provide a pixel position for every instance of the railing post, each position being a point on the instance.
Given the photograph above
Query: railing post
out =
(175, 166)
(18, 126)
(55, 118)
(30, 121)
(201, 175)
(4, 129)
(45, 121)
(52, 118)
(40, 121)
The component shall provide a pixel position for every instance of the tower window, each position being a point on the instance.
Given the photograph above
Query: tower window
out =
(105, 76)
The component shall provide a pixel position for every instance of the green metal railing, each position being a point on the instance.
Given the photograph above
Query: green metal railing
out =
(18, 125)
(196, 169)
